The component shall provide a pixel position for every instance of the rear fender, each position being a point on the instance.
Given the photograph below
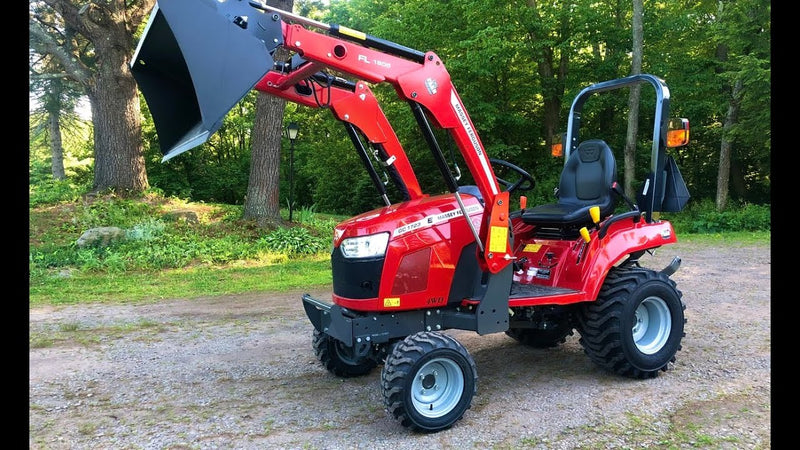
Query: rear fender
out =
(621, 240)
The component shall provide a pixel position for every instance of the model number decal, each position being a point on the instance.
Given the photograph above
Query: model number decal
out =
(434, 219)
(377, 62)
(434, 301)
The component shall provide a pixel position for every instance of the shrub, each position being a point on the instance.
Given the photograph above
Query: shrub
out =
(112, 211)
(702, 217)
(316, 223)
(146, 230)
(293, 240)
(52, 191)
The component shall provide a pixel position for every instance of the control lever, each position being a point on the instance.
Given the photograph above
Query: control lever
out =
(586, 239)
(618, 190)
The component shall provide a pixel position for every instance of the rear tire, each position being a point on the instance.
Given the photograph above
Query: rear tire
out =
(635, 326)
(428, 381)
(338, 358)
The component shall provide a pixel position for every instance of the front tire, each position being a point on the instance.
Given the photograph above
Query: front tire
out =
(635, 326)
(428, 381)
(338, 358)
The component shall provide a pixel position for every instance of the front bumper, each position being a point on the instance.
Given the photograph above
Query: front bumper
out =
(357, 329)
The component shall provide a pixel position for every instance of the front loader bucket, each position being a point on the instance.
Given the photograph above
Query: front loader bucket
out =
(195, 60)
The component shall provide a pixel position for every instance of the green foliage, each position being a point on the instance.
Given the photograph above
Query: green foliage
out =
(505, 71)
(350, 191)
(307, 214)
(69, 287)
(148, 230)
(317, 224)
(53, 191)
(43, 189)
(229, 213)
(225, 182)
(151, 244)
(701, 217)
(217, 171)
(293, 241)
(112, 211)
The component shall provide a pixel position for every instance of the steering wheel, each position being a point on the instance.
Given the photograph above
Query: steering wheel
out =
(524, 183)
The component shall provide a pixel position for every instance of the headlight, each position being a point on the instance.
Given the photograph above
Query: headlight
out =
(365, 246)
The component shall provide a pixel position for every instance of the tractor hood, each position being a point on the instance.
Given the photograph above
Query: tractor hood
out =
(195, 60)
(402, 219)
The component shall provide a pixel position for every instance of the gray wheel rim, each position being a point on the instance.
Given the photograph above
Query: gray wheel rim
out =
(437, 387)
(652, 325)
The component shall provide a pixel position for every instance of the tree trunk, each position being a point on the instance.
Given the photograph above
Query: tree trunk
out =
(551, 74)
(112, 91)
(552, 95)
(633, 101)
(56, 147)
(263, 202)
(118, 153)
(723, 170)
(726, 146)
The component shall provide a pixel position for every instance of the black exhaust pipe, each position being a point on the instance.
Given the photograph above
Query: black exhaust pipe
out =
(196, 59)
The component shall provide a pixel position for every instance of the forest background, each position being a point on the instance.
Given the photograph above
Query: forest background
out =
(509, 60)
(517, 66)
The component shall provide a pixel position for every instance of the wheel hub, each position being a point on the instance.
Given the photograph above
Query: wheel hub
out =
(652, 324)
(428, 381)
(437, 388)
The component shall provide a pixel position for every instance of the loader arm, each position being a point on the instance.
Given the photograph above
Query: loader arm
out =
(240, 33)
(352, 103)
(422, 80)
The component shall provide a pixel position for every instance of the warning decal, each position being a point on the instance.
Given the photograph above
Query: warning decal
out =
(532, 248)
(498, 240)
(391, 302)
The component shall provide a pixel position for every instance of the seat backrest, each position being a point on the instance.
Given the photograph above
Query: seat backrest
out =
(586, 181)
(588, 175)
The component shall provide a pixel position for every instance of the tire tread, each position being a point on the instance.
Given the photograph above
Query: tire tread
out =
(599, 322)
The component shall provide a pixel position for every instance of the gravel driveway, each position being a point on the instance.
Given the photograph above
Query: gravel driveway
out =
(239, 373)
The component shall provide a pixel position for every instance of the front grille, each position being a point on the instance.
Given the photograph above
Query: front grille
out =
(356, 278)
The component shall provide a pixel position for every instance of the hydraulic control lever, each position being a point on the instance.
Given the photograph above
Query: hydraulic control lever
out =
(618, 190)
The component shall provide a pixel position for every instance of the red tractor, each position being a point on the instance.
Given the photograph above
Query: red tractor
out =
(407, 272)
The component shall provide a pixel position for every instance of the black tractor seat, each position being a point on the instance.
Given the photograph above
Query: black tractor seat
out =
(586, 181)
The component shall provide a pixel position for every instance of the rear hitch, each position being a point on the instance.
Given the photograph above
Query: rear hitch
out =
(672, 267)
